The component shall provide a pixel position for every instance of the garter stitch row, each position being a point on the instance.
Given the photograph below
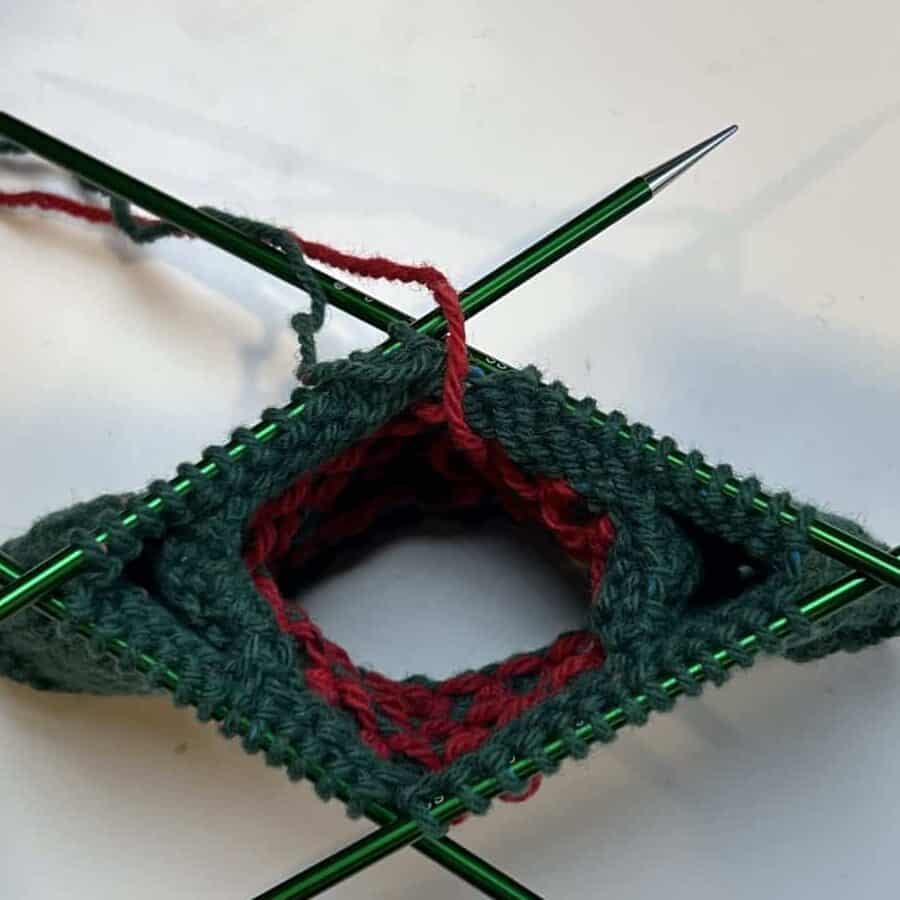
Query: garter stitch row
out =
(674, 569)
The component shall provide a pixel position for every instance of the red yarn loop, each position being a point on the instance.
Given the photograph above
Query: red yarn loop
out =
(446, 297)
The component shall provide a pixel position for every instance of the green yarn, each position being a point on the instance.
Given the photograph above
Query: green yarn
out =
(175, 585)
(192, 605)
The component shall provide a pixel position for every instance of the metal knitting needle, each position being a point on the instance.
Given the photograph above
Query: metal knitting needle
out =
(474, 299)
(816, 606)
(492, 287)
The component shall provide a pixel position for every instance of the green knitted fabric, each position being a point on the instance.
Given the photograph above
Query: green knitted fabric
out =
(194, 607)
(176, 585)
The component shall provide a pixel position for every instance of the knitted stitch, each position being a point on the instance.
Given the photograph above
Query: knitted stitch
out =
(674, 569)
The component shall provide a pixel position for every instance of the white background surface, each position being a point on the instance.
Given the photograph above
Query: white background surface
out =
(750, 311)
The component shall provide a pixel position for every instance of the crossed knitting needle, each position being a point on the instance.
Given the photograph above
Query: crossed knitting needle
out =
(29, 587)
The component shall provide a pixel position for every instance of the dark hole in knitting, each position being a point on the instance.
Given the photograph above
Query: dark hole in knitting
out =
(429, 501)
(727, 569)
(142, 570)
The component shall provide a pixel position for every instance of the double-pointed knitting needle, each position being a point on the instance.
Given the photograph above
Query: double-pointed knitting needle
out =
(474, 299)
(54, 570)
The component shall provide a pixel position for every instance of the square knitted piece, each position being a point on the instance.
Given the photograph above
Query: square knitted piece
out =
(210, 583)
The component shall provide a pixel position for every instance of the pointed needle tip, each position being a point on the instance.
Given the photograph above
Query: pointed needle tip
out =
(663, 175)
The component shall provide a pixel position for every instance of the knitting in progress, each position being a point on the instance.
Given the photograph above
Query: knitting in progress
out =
(210, 583)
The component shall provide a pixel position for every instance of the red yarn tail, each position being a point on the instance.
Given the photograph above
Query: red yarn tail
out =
(376, 267)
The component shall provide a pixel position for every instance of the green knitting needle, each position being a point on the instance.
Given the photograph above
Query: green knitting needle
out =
(474, 299)
(492, 287)
(391, 837)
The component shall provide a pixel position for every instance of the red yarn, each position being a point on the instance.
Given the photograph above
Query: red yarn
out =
(44, 200)
(445, 295)
(427, 722)
(368, 267)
